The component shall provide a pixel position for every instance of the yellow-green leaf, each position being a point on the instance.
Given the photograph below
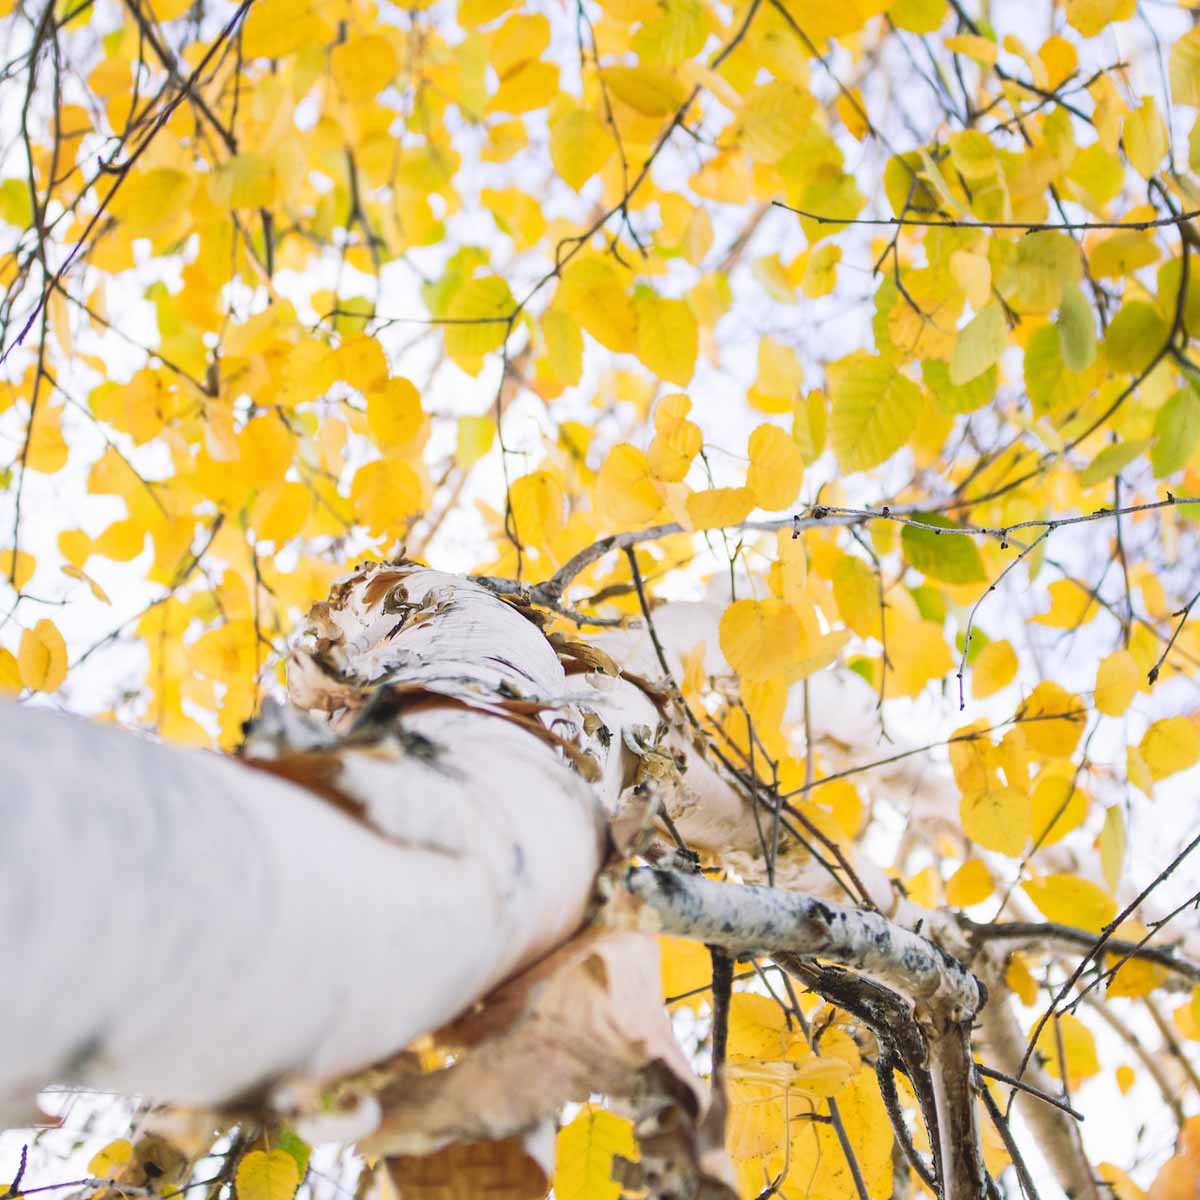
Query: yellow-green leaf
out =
(978, 345)
(874, 410)
(951, 557)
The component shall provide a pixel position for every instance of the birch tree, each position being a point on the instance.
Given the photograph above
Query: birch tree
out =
(599, 598)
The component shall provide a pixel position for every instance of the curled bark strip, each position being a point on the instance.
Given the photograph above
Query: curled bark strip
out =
(747, 919)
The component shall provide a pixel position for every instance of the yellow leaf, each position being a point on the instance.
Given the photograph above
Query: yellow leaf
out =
(106, 1162)
(1112, 846)
(981, 49)
(1117, 680)
(122, 541)
(919, 654)
(1116, 1180)
(1059, 804)
(17, 567)
(1072, 1045)
(274, 28)
(247, 180)
(686, 966)
(1052, 719)
(997, 819)
(153, 200)
(537, 507)
(759, 636)
(776, 468)
(73, 572)
(852, 110)
(719, 507)
(1138, 772)
(972, 273)
(10, 672)
(758, 1029)
(817, 1154)
(1018, 978)
(856, 592)
(775, 119)
(994, 668)
(1070, 900)
(395, 419)
(1170, 745)
(363, 66)
(651, 91)
(280, 514)
(47, 447)
(360, 362)
(919, 16)
(668, 337)
(580, 144)
(593, 292)
(267, 1175)
(564, 346)
(677, 441)
(1134, 337)
(584, 1152)
(875, 410)
(625, 494)
(1126, 1076)
(475, 438)
(1145, 138)
(75, 546)
(1132, 976)
(1185, 69)
(42, 657)
(1091, 17)
(970, 884)
(385, 495)
(779, 377)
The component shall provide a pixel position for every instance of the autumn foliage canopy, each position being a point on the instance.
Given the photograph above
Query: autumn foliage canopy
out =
(868, 323)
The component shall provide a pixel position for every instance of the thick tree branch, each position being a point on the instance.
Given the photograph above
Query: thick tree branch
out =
(748, 919)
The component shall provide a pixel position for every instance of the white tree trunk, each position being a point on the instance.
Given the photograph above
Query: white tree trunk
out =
(190, 927)
(186, 925)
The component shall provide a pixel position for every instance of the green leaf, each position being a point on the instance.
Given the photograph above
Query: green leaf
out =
(874, 410)
(1175, 432)
(15, 206)
(1076, 330)
(1048, 382)
(297, 1147)
(950, 557)
(478, 311)
(1111, 461)
(953, 399)
(1137, 333)
(979, 345)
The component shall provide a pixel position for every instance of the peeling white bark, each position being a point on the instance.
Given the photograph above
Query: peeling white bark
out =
(185, 926)
(188, 926)
(752, 919)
